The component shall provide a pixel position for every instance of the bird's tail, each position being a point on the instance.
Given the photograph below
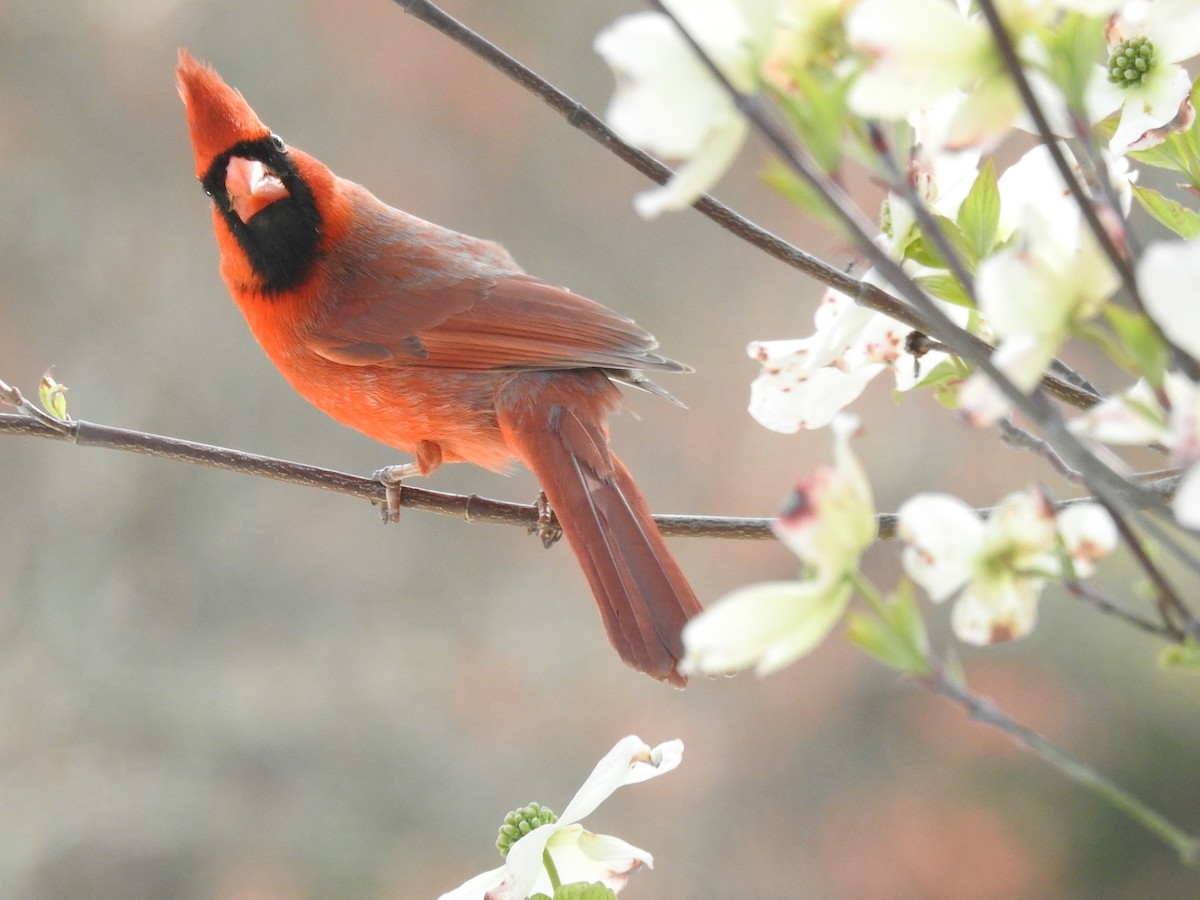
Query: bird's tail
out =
(643, 596)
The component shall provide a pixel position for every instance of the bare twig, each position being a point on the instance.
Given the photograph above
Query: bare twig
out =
(1102, 604)
(983, 710)
(1176, 616)
(472, 508)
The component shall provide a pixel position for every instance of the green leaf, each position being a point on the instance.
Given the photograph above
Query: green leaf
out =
(1180, 219)
(946, 371)
(979, 215)
(815, 105)
(946, 287)
(897, 637)
(924, 250)
(1140, 340)
(1182, 658)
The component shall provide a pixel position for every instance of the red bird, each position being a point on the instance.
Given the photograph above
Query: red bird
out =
(439, 344)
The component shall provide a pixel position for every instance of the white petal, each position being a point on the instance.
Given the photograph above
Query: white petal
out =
(1151, 105)
(1187, 499)
(666, 101)
(1174, 27)
(793, 398)
(629, 762)
(944, 537)
(714, 155)
(1089, 534)
(981, 402)
(580, 855)
(922, 49)
(829, 520)
(1167, 276)
(1183, 435)
(1132, 417)
(999, 609)
(771, 624)
(483, 885)
(526, 871)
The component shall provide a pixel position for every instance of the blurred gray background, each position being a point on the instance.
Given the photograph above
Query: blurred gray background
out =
(213, 686)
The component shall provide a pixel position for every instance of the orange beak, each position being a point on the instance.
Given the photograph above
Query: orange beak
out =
(251, 186)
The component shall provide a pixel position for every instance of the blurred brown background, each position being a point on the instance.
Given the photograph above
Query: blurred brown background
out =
(213, 686)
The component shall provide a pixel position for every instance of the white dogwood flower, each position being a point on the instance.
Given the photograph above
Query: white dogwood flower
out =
(998, 567)
(577, 855)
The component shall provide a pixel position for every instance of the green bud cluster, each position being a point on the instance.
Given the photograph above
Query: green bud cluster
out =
(520, 822)
(1131, 62)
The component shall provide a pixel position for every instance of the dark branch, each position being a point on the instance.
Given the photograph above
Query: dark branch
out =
(472, 508)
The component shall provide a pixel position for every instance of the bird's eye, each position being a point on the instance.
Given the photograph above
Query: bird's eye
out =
(278, 143)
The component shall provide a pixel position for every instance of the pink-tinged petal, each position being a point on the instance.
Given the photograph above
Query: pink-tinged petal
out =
(1187, 499)
(1167, 277)
(1023, 359)
(996, 610)
(483, 886)
(580, 856)
(829, 519)
(631, 761)
(1089, 535)
(767, 625)
(1153, 110)
(981, 402)
(944, 537)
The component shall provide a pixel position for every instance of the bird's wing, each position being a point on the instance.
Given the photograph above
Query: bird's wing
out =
(428, 298)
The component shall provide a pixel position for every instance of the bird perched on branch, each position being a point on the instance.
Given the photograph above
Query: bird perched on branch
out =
(439, 344)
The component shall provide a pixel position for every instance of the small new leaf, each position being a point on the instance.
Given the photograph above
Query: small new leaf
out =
(1139, 339)
(896, 637)
(1180, 219)
(979, 215)
(946, 287)
(1182, 658)
(53, 396)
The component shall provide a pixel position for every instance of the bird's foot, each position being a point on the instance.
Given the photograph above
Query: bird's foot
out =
(546, 527)
(390, 477)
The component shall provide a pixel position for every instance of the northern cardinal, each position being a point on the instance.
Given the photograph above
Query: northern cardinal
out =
(439, 344)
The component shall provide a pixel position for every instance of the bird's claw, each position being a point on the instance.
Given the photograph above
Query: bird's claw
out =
(391, 477)
(546, 528)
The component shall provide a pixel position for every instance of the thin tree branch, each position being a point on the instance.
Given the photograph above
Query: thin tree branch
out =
(1176, 616)
(983, 710)
(469, 507)
(1102, 604)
